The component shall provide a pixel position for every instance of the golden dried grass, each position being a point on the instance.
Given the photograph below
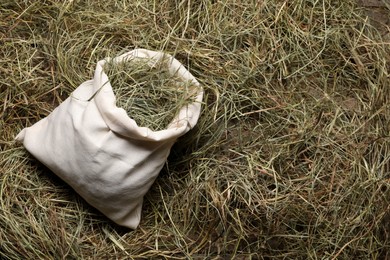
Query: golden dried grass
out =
(290, 157)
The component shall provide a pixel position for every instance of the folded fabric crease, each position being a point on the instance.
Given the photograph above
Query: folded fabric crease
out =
(100, 151)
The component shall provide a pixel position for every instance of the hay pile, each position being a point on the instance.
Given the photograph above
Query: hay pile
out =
(290, 158)
(149, 94)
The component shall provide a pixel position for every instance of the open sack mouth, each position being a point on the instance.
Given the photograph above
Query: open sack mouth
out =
(148, 92)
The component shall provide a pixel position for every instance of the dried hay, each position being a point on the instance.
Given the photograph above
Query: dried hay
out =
(148, 92)
(290, 157)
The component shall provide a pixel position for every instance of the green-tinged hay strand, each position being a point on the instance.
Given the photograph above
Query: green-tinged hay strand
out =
(290, 158)
(148, 92)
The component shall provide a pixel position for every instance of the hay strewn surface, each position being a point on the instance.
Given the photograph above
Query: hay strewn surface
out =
(290, 158)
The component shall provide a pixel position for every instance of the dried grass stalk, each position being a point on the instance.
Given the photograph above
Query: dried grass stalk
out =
(150, 94)
(290, 158)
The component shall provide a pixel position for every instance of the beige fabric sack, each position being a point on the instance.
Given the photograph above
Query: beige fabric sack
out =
(101, 152)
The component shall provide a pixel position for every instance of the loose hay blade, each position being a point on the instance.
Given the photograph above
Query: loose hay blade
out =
(149, 93)
(290, 158)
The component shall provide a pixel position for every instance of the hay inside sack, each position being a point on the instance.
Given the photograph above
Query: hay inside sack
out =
(148, 92)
